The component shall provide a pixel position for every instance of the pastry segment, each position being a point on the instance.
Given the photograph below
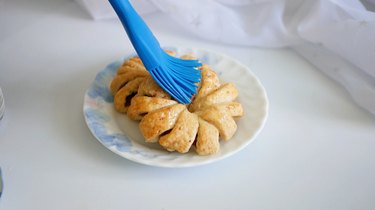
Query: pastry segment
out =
(141, 105)
(133, 64)
(225, 93)
(207, 139)
(233, 108)
(157, 122)
(150, 88)
(122, 79)
(183, 133)
(123, 96)
(223, 121)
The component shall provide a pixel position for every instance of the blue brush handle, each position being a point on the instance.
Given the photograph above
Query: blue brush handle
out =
(141, 37)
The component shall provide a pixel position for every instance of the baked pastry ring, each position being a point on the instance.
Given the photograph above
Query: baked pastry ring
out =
(210, 116)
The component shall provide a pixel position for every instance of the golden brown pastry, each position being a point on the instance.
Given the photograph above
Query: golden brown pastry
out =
(122, 79)
(123, 96)
(183, 133)
(207, 139)
(142, 105)
(177, 127)
(209, 83)
(222, 120)
(132, 64)
(159, 121)
(150, 88)
(223, 94)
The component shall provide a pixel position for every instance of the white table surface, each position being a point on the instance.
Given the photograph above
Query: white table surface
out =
(316, 151)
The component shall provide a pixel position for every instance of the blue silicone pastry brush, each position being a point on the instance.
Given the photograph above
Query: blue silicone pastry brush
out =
(176, 76)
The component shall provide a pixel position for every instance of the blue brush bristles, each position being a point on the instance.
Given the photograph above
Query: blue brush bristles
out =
(176, 76)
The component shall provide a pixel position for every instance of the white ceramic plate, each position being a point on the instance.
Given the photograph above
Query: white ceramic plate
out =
(122, 136)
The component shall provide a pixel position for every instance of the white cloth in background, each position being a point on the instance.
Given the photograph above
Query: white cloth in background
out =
(337, 36)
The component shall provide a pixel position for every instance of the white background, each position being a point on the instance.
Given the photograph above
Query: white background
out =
(316, 150)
